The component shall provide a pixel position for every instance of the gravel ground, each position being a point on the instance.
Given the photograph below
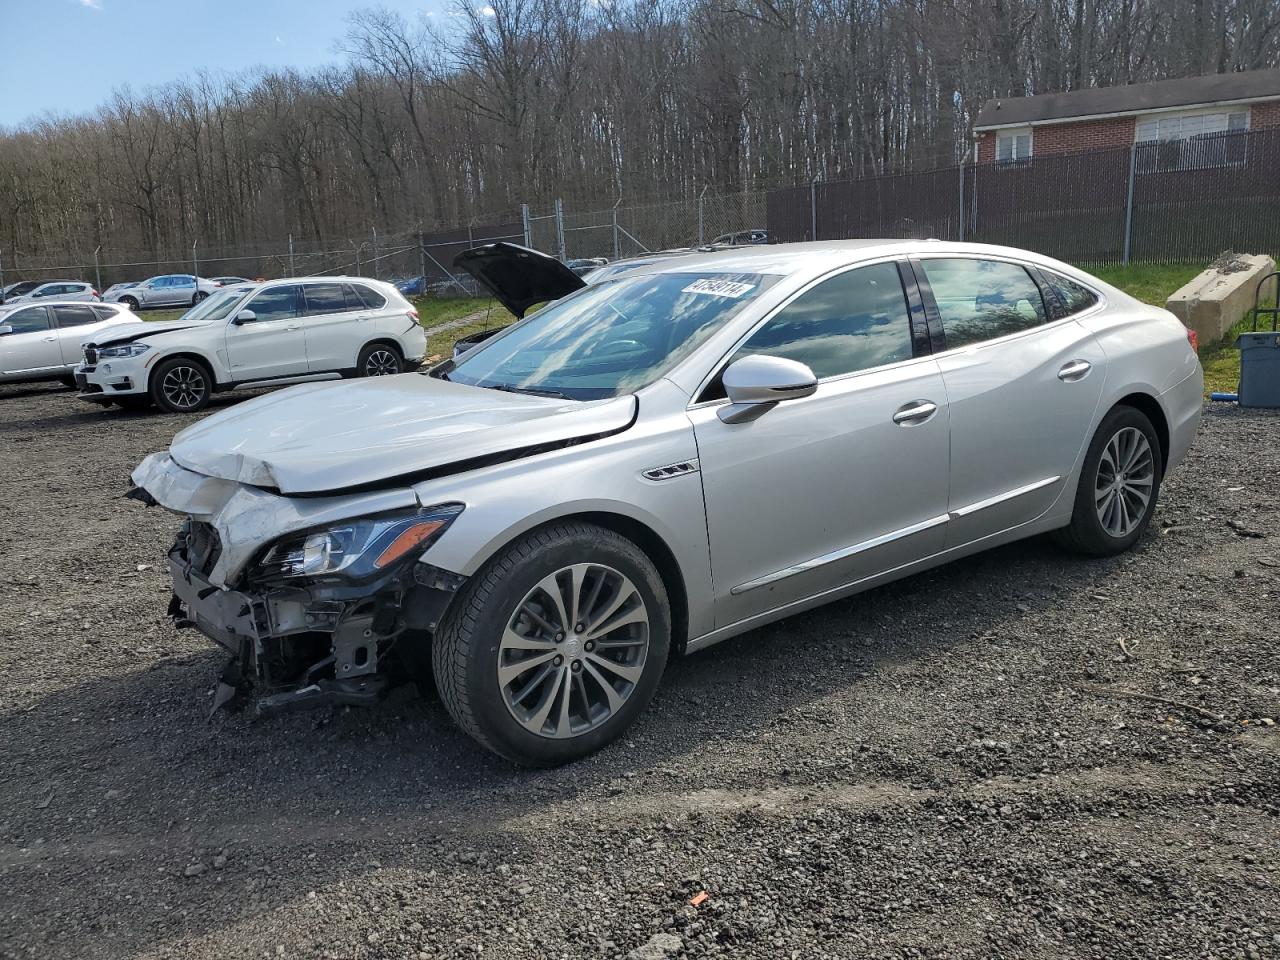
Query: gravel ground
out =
(939, 768)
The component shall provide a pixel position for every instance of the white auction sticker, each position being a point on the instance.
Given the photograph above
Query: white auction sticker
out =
(719, 288)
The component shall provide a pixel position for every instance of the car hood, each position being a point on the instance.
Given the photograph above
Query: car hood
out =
(139, 329)
(517, 276)
(365, 434)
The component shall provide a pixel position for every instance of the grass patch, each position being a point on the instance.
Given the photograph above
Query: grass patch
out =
(1153, 284)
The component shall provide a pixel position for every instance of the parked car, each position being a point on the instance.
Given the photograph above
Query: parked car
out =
(68, 291)
(108, 294)
(584, 265)
(18, 289)
(43, 341)
(283, 331)
(411, 286)
(172, 290)
(229, 281)
(741, 238)
(655, 464)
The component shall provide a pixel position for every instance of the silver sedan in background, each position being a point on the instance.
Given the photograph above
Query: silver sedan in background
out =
(658, 462)
(171, 290)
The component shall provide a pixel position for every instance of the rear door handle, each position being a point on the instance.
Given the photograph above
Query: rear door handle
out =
(917, 411)
(1075, 370)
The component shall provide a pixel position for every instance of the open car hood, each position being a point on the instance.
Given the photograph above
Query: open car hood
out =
(129, 331)
(517, 276)
(373, 433)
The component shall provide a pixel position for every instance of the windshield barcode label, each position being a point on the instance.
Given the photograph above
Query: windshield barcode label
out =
(719, 288)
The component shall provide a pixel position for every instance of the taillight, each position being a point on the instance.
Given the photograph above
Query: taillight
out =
(1194, 340)
(413, 315)
(96, 293)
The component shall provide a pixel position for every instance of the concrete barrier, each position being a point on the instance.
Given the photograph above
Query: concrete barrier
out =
(1221, 296)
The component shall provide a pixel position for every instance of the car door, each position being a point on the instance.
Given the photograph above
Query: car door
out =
(32, 344)
(1022, 387)
(181, 291)
(76, 323)
(272, 344)
(836, 487)
(334, 323)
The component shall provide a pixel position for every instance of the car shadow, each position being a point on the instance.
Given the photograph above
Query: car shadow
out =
(128, 768)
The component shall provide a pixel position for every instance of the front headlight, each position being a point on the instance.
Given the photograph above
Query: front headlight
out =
(357, 548)
(124, 350)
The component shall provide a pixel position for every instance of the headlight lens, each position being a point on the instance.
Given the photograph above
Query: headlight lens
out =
(357, 548)
(124, 350)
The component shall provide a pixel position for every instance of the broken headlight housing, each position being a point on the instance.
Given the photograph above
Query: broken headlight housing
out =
(357, 548)
(126, 350)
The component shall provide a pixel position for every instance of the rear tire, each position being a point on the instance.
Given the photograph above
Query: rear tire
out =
(607, 665)
(379, 360)
(1118, 488)
(181, 385)
(197, 297)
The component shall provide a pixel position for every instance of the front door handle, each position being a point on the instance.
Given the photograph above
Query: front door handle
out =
(1075, 370)
(48, 339)
(917, 411)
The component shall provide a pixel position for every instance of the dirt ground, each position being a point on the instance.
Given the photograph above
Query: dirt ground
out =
(943, 768)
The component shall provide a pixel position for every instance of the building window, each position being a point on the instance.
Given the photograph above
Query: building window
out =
(1191, 140)
(1013, 146)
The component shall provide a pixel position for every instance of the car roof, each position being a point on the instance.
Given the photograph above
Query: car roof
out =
(59, 303)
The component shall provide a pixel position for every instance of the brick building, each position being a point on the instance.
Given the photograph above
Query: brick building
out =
(1184, 122)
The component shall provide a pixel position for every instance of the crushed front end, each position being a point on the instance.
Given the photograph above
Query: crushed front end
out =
(315, 616)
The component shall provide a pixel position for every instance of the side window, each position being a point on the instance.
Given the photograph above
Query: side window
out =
(853, 321)
(278, 303)
(70, 316)
(1074, 297)
(30, 320)
(983, 299)
(367, 298)
(105, 313)
(183, 282)
(326, 298)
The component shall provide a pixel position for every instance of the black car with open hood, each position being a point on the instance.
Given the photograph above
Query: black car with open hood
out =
(519, 277)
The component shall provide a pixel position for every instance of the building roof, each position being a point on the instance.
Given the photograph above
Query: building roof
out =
(1132, 98)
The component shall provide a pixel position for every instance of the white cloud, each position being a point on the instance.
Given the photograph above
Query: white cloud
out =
(489, 11)
(91, 4)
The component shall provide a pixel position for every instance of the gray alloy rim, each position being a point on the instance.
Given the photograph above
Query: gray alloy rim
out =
(183, 387)
(573, 651)
(131, 304)
(381, 363)
(1126, 474)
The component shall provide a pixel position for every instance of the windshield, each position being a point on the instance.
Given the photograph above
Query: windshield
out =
(216, 306)
(612, 338)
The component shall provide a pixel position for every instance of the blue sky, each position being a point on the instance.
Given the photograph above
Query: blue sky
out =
(66, 56)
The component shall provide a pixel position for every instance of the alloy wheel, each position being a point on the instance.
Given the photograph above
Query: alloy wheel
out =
(183, 387)
(573, 651)
(381, 363)
(1126, 476)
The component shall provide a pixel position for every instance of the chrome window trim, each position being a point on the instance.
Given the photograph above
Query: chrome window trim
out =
(716, 367)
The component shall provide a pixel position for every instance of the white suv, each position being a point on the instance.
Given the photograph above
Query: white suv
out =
(283, 331)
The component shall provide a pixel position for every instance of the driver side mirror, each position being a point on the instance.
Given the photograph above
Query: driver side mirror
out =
(757, 384)
(244, 316)
(5, 329)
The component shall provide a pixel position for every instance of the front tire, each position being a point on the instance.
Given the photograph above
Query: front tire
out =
(379, 360)
(133, 305)
(180, 385)
(555, 646)
(1119, 486)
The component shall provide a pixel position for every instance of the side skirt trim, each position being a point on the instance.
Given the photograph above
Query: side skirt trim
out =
(1002, 497)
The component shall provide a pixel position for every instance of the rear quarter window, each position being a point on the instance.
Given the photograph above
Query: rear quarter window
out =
(367, 298)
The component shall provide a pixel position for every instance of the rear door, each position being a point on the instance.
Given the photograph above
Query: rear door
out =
(76, 324)
(335, 319)
(1022, 384)
(32, 346)
(271, 345)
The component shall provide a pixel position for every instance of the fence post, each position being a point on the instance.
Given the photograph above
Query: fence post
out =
(97, 266)
(376, 260)
(617, 245)
(524, 216)
(292, 271)
(2, 297)
(813, 208)
(702, 219)
(1128, 205)
(960, 222)
(422, 259)
(560, 227)
(195, 264)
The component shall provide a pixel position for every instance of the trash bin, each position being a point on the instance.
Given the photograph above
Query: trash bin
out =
(1259, 369)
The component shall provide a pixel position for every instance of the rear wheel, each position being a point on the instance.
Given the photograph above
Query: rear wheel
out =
(131, 303)
(1119, 485)
(198, 296)
(379, 360)
(181, 385)
(552, 650)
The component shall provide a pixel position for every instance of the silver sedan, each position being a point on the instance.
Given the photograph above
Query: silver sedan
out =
(659, 462)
